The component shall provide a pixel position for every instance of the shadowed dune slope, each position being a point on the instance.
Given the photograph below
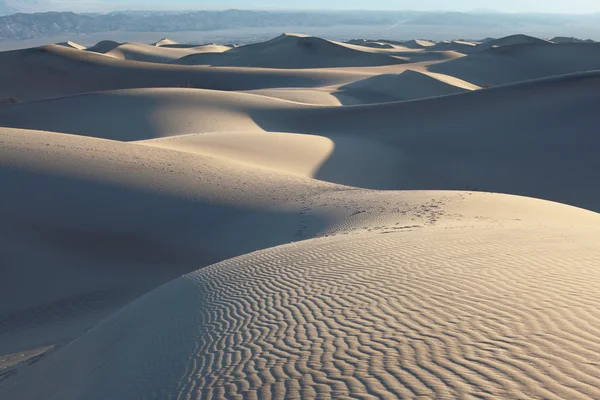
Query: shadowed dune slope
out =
(370, 43)
(166, 42)
(407, 85)
(295, 52)
(160, 54)
(512, 40)
(148, 53)
(515, 63)
(118, 219)
(104, 46)
(454, 45)
(563, 39)
(71, 45)
(52, 71)
(504, 312)
(546, 149)
(138, 114)
(417, 44)
(108, 221)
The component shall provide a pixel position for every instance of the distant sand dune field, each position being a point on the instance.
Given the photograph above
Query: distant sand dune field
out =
(299, 219)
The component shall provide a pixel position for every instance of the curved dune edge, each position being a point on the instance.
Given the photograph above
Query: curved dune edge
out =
(430, 313)
(408, 85)
(289, 153)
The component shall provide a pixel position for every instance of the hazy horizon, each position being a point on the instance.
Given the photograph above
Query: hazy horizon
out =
(508, 6)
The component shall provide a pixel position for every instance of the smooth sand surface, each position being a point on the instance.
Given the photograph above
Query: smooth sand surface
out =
(310, 219)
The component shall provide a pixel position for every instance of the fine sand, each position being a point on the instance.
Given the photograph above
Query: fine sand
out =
(300, 218)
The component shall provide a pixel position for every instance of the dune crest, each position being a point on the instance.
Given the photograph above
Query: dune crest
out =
(292, 51)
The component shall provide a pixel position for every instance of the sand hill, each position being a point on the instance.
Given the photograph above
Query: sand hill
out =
(508, 64)
(418, 44)
(562, 39)
(407, 85)
(299, 219)
(454, 45)
(104, 46)
(512, 40)
(370, 43)
(292, 51)
(72, 45)
(166, 42)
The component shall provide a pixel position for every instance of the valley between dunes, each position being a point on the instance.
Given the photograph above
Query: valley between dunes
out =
(299, 219)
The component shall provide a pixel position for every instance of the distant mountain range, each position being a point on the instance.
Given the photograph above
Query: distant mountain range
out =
(27, 26)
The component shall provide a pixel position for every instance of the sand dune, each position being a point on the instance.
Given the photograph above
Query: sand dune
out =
(370, 43)
(327, 96)
(508, 64)
(72, 45)
(300, 218)
(139, 114)
(166, 42)
(454, 45)
(295, 52)
(160, 54)
(418, 44)
(52, 71)
(432, 313)
(405, 86)
(465, 141)
(148, 53)
(104, 46)
(291, 153)
(562, 39)
(496, 154)
(512, 40)
(111, 211)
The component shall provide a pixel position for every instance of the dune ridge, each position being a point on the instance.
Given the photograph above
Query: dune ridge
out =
(291, 51)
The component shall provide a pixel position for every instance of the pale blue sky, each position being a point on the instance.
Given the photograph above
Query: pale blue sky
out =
(552, 6)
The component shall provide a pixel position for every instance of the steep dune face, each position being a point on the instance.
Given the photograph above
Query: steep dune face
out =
(292, 51)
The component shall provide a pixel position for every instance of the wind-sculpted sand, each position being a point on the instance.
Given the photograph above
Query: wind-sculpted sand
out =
(300, 218)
